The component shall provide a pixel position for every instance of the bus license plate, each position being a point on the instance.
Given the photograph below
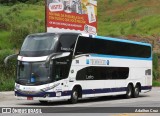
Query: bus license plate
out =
(29, 98)
(58, 94)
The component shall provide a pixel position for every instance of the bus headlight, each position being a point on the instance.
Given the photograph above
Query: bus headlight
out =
(17, 86)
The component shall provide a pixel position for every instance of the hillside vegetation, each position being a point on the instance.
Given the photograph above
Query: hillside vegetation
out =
(130, 19)
(16, 22)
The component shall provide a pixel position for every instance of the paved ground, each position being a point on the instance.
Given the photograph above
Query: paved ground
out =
(151, 99)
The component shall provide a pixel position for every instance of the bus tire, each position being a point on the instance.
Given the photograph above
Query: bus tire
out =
(43, 102)
(74, 96)
(136, 91)
(129, 91)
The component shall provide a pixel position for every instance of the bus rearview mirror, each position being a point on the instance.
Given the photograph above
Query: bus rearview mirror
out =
(9, 57)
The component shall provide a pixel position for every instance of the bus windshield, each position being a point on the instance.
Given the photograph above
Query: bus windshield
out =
(33, 73)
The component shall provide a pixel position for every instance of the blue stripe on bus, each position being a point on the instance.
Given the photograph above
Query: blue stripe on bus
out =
(105, 90)
(86, 91)
(42, 94)
(146, 87)
(121, 40)
(121, 57)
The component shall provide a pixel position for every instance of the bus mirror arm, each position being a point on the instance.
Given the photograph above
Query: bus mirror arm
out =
(49, 58)
(9, 57)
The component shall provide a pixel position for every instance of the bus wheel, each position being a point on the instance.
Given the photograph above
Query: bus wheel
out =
(129, 91)
(43, 102)
(136, 91)
(74, 96)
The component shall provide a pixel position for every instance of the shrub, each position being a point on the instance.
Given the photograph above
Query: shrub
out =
(155, 61)
(7, 73)
(8, 1)
(5, 24)
(156, 73)
(122, 31)
(18, 34)
(110, 2)
(10, 69)
(11, 2)
(133, 23)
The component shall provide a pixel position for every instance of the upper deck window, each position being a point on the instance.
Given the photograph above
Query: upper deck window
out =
(107, 47)
(48, 43)
(67, 42)
(38, 43)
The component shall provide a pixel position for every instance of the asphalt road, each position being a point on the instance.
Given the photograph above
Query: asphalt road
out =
(150, 99)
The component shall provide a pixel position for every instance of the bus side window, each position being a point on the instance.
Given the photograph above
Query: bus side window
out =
(103, 76)
(108, 75)
(58, 73)
(89, 71)
(123, 73)
(89, 74)
(66, 43)
(115, 75)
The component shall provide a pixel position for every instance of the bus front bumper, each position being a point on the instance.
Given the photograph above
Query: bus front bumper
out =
(44, 96)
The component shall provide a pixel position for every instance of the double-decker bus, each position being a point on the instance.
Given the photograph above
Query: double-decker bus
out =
(69, 66)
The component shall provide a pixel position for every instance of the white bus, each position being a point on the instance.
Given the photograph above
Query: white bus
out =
(69, 66)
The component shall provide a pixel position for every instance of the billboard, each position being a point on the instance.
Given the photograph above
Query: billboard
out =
(71, 16)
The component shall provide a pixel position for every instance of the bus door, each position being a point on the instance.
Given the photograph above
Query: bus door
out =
(60, 73)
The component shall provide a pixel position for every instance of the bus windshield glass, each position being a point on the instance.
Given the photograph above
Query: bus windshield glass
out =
(33, 73)
(40, 44)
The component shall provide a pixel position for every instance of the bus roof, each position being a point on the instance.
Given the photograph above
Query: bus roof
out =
(98, 37)
(121, 40)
